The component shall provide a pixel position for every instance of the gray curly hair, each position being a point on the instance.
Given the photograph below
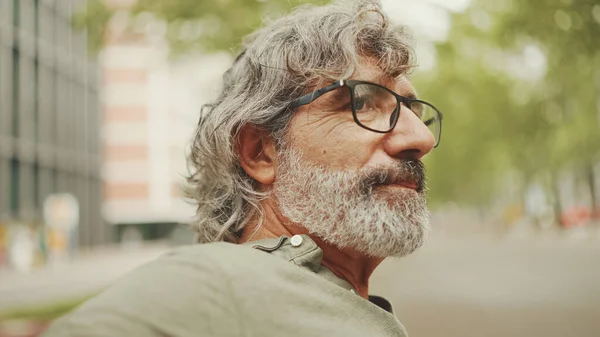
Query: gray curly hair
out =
(278, 64)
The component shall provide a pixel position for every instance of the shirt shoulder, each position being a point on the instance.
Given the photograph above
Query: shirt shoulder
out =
(182, 292)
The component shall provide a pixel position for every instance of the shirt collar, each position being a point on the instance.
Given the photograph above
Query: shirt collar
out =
(304, 252)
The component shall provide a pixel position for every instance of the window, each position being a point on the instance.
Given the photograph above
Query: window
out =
(4, 192)
(36, 16)
(26, 80)
(45, 24)
(77, 117)
(45, 184)
(6, 11)
(16, 60)
(54, 180)
(36, 187)
(45, 105)
(27, 96)
(62, 110)
(6, 88)
(14, 186)
(93, 122)
(16, 12)
(26, 16)
(36, 74)
(26, 192)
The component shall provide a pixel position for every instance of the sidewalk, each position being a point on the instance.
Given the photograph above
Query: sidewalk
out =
(89, 273)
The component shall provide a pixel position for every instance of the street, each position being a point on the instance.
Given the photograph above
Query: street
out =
(492, 287)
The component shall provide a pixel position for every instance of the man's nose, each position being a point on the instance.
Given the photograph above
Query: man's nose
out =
(410, 138)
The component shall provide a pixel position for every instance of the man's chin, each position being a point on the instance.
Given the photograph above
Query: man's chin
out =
(404, 250)
(409, 251)
(395, 193)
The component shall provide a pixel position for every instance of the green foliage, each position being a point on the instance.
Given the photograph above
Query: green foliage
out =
(94, 19)
(46, 312)
(192, 24)
(498, 120)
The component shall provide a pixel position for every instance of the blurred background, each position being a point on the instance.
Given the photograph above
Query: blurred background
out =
(99, 99)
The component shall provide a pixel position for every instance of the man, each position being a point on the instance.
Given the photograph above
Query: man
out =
(307, 173)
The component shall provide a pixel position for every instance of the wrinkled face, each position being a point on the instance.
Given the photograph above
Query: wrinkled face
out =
(352, 187)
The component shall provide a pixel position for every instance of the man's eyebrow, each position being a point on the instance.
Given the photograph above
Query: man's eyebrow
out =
(409, 94)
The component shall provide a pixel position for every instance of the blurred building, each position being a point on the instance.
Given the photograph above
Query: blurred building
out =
(49, 116)
(141, 193)
(151, 103)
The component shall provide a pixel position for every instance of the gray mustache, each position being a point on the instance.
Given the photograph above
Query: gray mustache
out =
(408, 170)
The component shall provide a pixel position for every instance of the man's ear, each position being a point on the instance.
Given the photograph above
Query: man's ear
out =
(256, 151)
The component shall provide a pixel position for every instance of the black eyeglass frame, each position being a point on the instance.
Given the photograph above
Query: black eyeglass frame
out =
(351, 84)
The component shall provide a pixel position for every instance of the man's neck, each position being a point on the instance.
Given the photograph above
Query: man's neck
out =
(354, 267)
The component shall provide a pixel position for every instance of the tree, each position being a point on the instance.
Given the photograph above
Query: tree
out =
(501, 115)
(190, 24)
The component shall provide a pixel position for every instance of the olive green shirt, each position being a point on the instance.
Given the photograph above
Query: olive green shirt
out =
(279, 288)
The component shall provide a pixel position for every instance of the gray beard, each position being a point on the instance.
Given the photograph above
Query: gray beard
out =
(345, 209)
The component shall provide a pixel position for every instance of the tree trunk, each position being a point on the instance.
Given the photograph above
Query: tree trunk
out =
(591, 177)
(556, 204)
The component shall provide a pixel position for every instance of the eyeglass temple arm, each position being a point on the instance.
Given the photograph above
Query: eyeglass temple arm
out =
(308, 98)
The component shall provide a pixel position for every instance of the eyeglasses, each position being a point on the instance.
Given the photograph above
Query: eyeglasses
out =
(377, 108)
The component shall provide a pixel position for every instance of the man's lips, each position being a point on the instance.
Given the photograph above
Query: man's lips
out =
(405, 184)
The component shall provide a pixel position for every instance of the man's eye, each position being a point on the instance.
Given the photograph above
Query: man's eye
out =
(363, 104)
(359, 103)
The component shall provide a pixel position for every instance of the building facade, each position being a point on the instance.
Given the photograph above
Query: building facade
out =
(151, 101)
(49, 116)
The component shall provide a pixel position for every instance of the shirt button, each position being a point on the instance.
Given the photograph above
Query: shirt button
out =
(296, 240)
(352, 291)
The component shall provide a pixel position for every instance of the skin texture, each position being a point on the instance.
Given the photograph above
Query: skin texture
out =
(332, 139)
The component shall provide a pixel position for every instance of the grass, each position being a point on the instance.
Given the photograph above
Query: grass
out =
(46, 312)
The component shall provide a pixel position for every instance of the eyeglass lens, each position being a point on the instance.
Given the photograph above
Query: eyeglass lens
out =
(374, 106)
